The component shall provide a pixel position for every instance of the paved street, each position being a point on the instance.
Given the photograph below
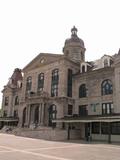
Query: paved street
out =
(19, 148)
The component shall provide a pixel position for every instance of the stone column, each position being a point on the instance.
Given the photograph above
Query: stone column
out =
(46, 114)
(32, 114)
(39, 114)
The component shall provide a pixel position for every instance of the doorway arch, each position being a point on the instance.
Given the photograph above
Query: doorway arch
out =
(52, 111)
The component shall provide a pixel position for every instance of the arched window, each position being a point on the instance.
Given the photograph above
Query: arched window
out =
(40, 82)
(29, 83)
(54, 82)
(16, 100)
(106, 87)
(52, 114)
(82, 91)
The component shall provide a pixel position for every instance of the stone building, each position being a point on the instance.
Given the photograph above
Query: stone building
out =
(62, 96)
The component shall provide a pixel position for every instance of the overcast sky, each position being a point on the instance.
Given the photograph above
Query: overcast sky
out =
(28, 27)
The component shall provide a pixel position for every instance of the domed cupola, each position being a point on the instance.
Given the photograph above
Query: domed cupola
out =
(74, 47)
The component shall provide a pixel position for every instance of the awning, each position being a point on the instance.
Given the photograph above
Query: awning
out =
(87, 120)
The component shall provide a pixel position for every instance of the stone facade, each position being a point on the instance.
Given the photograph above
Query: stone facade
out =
(64, 92)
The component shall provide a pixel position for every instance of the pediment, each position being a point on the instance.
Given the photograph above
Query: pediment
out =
(41, 60)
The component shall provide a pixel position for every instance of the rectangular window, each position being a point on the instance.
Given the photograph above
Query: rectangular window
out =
(40, 82)
(69, 83)
(6, 101)
(104, 128)
(29, 83)
(70, 109)
(95, 127)
(115, 128)
(83, 110)
(107, 108)
(54, 83)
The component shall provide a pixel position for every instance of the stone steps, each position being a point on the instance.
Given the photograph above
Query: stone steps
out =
(44, 133)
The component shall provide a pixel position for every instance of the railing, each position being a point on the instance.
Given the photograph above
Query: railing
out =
(32, 94)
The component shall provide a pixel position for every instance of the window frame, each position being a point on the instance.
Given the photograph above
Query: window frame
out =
(82, 109)
(107, 108)
(106, 87)
(70, 109)
(54, 82)
(29, 83)
(41, 82)
(82, 91)
(6, 102)
(16, 100)
(95, 128)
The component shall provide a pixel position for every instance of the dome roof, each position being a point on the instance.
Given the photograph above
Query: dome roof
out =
(74, 40)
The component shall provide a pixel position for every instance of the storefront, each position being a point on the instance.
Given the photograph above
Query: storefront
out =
(94, 128)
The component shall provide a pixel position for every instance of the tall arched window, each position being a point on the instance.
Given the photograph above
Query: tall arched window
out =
(106, 87)
(82, 91)
(40, 82)
(54, 82)
(16, 100)
(52, 114)
(29, 83)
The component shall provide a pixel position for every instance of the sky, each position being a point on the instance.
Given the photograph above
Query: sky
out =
(29, 27)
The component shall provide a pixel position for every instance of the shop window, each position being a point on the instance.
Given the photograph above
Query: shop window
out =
(95, 127)
(115, 128)
(104, 128)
